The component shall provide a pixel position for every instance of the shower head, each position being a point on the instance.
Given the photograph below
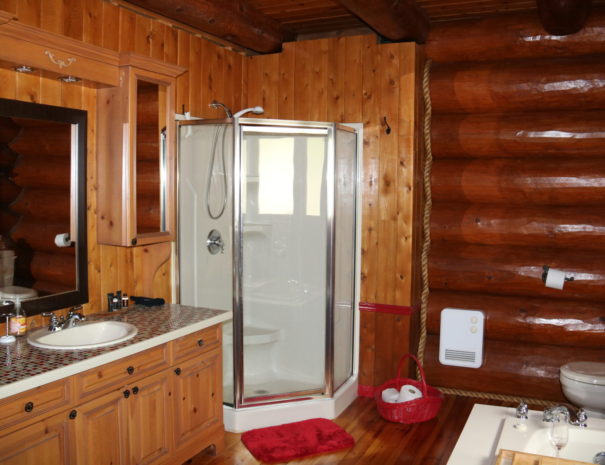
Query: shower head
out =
(256, 110)
(216, 105)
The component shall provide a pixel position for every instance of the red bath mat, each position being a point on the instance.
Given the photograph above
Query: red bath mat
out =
(295, 440)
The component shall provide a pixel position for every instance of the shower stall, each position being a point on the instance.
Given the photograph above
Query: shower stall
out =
(268, 228)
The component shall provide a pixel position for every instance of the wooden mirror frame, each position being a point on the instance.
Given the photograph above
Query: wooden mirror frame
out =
(20, 109)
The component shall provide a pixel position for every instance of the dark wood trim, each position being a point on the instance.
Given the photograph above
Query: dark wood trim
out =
(563, 17)
(79, 118)
(396, 21)
(385, 308)
(232, 21)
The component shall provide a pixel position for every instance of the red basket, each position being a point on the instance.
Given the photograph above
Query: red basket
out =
(412, 411)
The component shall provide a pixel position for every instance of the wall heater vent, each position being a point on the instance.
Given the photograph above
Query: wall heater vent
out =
(461, 337)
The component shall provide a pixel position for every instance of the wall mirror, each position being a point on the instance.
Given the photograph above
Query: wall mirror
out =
(150, 156)
(43, 205)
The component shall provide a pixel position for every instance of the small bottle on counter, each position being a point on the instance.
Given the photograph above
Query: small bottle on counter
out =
(18, 322)
(124, 300)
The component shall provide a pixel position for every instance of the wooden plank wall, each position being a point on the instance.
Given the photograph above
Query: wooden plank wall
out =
(517, 184)
(354, 79)
(214, 73)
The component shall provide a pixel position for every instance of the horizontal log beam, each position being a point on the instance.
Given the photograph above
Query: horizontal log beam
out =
(8, 130)
(515, 271)
(148, 213)
(43, 204)
(8, 190)
(526, 370)
(570, 134)
(563, 17)
(42, 172)
(511, 182)
(148, 178)
(522, 86)
(38, 235)
(397, 21)
(55, 268)
(53, 140)
(512, 36)
(526, 319)
(578, 228)
(233, 21)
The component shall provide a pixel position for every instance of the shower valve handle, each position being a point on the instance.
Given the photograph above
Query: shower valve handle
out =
(215, 243)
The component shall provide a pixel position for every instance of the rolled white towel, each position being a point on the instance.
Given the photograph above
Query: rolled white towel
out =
(390, 395)
(409, 392)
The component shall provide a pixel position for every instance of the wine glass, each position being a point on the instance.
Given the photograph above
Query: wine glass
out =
(559, 433)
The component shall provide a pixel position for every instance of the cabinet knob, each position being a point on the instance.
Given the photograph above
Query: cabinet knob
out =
(135, 390)
(130, 370)
(73, 414)
(134, 241)
(178, 371)
(200, 342)
(29, 407)
(126, 394)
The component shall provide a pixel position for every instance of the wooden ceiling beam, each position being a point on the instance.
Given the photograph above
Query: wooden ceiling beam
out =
(396, 20)
(563, 17)
(231, 20)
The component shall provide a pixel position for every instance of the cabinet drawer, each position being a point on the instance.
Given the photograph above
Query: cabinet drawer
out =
(35, 402)
(116, 374)
(197, 343)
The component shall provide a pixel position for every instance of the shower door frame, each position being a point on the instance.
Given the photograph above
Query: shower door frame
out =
(269, 125)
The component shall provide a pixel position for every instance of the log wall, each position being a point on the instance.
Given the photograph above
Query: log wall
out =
(519, 169)
(214, 72)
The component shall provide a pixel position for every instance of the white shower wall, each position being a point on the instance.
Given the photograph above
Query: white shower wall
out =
(205, 280)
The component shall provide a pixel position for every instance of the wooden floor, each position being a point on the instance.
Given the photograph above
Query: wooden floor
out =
(378, 442)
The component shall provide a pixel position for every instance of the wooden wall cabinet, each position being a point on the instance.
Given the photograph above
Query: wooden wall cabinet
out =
(152, 415)
(136, 154)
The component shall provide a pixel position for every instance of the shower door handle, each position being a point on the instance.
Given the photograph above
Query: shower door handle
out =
(215, 243)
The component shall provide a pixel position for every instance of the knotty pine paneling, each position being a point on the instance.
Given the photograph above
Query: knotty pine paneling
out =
(355, 79)
(214, 72)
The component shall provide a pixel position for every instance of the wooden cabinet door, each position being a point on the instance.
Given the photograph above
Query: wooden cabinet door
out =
(47, 442)
(150, 419)
(198, 404)
(101, 430)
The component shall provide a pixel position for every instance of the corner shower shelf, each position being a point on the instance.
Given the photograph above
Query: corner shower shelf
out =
(259, 228)
(257, 335)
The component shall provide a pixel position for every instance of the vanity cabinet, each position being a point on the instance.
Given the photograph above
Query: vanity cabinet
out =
(136, 154)
(100, 432)
(130, 425)
(160, 406)
(49, 438)
(198, 401)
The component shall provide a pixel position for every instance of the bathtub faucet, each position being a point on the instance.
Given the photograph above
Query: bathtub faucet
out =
(552, 414)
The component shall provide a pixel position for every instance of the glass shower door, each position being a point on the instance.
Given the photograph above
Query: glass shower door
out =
(286, 197)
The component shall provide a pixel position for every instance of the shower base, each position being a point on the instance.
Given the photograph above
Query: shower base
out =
(290, 410)
(271, 385)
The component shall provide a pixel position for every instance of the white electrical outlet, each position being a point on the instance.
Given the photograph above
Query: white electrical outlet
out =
(461, 337)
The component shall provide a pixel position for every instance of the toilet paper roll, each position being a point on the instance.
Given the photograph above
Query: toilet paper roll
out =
(62, 240)
(409, 392)
(390, 395)
(555, 279)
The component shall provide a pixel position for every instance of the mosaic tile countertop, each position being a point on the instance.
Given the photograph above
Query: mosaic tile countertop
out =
(23, 366)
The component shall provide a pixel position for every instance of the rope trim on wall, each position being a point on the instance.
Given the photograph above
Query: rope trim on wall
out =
(426, 248)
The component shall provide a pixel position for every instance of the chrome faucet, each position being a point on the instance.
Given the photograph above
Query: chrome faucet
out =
(553, 413)
(72, 318)
(56, 324)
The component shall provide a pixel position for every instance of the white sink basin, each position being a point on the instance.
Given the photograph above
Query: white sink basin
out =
(583, 443)
(86, 335)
